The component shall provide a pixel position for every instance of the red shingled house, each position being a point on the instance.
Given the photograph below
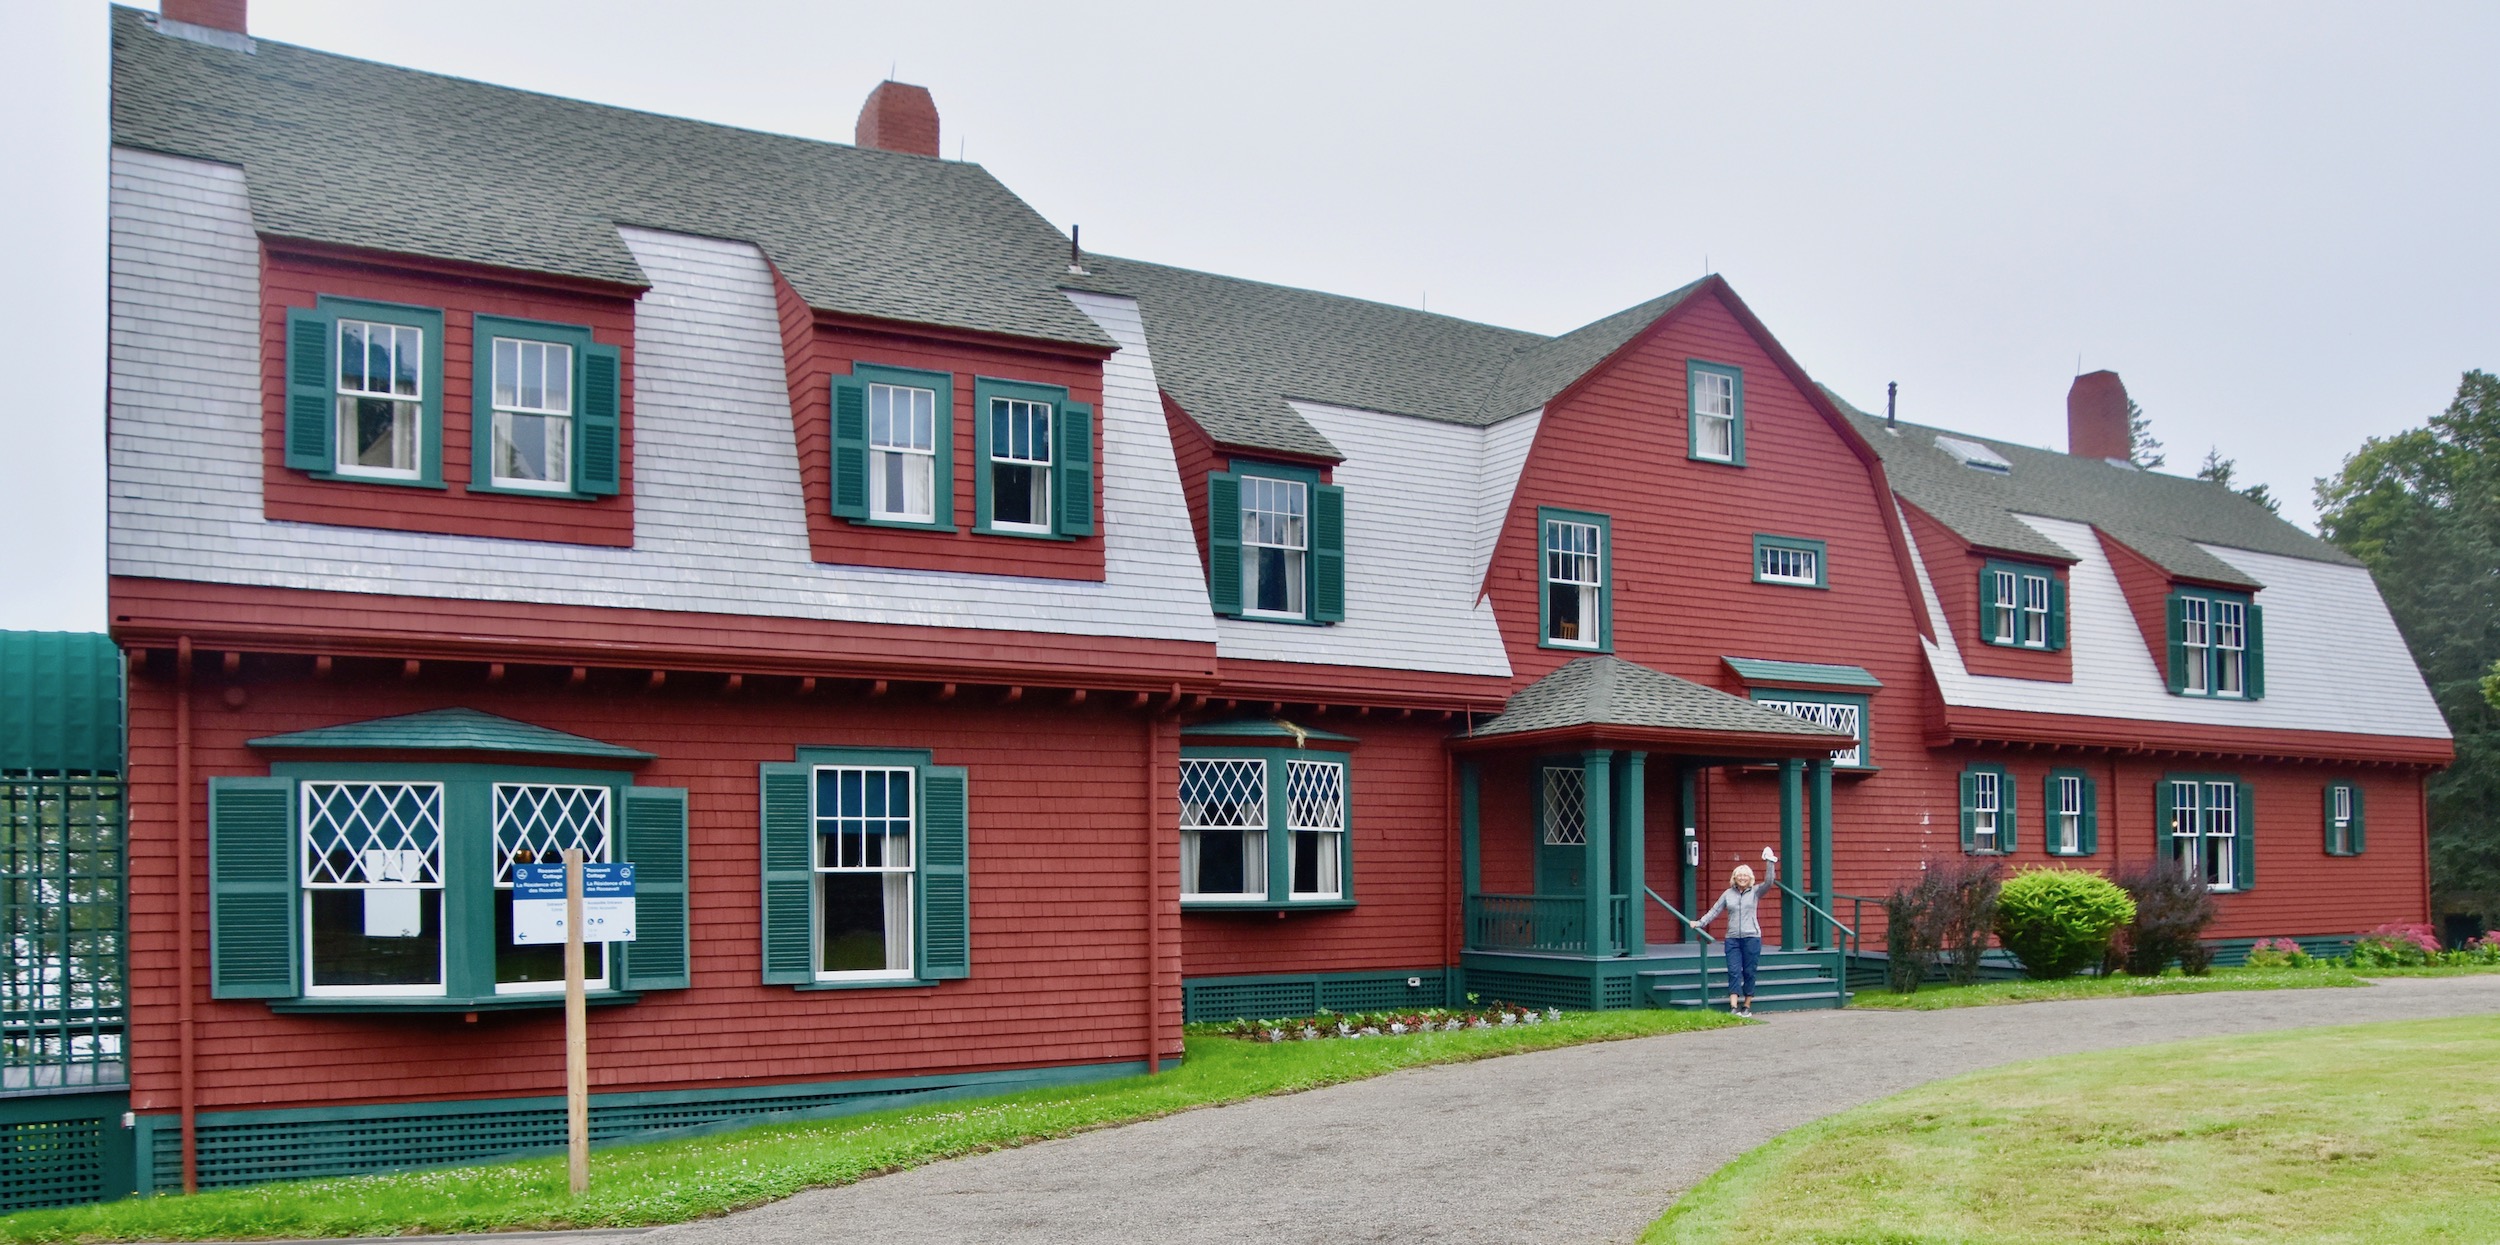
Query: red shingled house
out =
(991, 655)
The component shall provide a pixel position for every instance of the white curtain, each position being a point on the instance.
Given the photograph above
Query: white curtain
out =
(898, 921)
(1189, 862)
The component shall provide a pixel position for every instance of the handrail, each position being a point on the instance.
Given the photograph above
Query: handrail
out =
(1678, 915)
(1816, 910)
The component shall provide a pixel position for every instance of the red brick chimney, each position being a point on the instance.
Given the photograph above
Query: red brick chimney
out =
(214, 14)
(896, 117)
(2096, 418)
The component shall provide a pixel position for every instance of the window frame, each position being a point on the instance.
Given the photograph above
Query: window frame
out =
(2196, 668)
(2347, 830)
(1763, 541)
(614, 834)
(818, 871)
(942, 469)
(428, 321)
(1280, 896)
(1694, 370)
(484, 329)
(1995, 607)
(1244, 470)
(1605, 611)
(986, 390)
(1774, 697)
(2004, 832)
(2238, 859)
(2053, 813)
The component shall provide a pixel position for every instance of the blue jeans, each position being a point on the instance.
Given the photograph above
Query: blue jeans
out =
(1744, 956)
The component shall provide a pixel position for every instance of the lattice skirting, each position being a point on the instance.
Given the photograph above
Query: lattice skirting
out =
(250, 1147)
(1273, 996)
(63, 1149)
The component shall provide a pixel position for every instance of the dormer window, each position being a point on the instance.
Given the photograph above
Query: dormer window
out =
(1019, 466)
(381, 396)
(1275, 544)
(2022, 606)
(1034, 460)
(2216, 645)
(533, 414)
(894, 447)
(902, 453)
(364, 392)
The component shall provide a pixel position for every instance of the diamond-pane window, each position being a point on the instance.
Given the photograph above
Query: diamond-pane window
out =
(536, 822)
(1566, 807)
(1314, 795)
(360, 834)
(1839, 717)
(1223, 795)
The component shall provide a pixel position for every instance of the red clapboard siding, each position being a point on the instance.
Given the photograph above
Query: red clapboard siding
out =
(1195, 456)
(290, 278)
(2147, 588)
(1954, 567)
(819, 346)
(1059, 848)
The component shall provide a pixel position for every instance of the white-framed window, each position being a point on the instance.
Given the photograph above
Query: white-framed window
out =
(1275, 546)
(2196, 638)
(2008, 597)
(1566, 806)
(2339, 818)
(381, 399)
(2230, 645)
(1223, 828)
(1575, 580)
(902, 453)
(1019, 466)
(534, 823)
(372, 855)
(1788, 564)
(1987, 810)
(1315, 803)
(1714, 415)
(533, 415)
(2205, 829)
(865, 822)
(2035, 611)
(1841, 717)
(2069, 815)
(2018, 606)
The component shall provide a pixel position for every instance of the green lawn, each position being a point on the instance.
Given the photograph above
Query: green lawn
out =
(2358, 1135)
(672, 1181)
(1985, 993)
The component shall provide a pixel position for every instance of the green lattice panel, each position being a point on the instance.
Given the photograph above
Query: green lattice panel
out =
(1380, 994)
(54, 1162)
(1529, 989)
(1252, 1000)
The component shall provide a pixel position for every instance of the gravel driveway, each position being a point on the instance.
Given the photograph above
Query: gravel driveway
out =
(1584, 1144)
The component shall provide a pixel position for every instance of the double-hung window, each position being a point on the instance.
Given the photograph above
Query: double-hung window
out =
(372, 857)
(1034, 468)
(532, 392)
(1715, 394)
(535, 824)
(864, 822)
(893, 447)
(1574, 567)
(1789, 560)
(1275, 546)
(902, 453)
(546, 414)
(1841, 713)
(1264, 827)
(2211, 827)
(1019, 466)
(2022, 606)
(2070, 800)
(1987, 810)
(2344, 817)
(865, 863)
(381, 398)
(364, 391)
(2217, 645)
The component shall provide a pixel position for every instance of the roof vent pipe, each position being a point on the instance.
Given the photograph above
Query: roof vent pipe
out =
(1892, 394)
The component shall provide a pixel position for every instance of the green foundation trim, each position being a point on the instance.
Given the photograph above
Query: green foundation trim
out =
(1306, 994)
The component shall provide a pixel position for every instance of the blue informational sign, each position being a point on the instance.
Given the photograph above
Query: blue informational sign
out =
(538, 903)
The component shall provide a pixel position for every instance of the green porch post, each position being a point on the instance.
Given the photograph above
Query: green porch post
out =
(1824, 934)
(1631, 862)
(1597, 772)
(1792, 839)
(1690, 863)
(1470, 853)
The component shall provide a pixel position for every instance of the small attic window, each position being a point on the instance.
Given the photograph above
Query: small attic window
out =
(1975, 456)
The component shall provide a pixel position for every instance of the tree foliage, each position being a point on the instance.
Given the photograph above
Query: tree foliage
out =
(2143, 449)
(2219, 470)
(2421, 509)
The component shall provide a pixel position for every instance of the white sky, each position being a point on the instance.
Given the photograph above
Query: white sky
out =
(2276, 222)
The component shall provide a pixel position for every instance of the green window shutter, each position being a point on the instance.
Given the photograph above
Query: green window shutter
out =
(2164, 810)
(1075, 469)
(1327, 553)
(2326, 817)
(850, 448)
(655, 842)
(2256, 680)
(310, 382)
(1987, 605)
(2057, 613)
(944, 899)
(253, 933)
(1224, 542)
(598, 430)
(2048, 813)
(2008, 799)
(789, 920)
(2091, 838)
(2178, 646)
(2360, 823)
(2244, 846)
(1970, 798)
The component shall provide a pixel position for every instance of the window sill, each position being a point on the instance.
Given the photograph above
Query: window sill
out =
(882, 983)
(1266, 905)
(433, 1004)
(1561, 647)
(543, 494)
(344, 477)
(2013, 647)
(1285, 620)
(907, 525)
(986, 530)
(1790, 583)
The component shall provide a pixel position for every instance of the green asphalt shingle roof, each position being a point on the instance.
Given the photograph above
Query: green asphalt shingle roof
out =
(1232, 352)
(451, 730)
(1609, 691)
(2164, 517)
(354, 153)
(1827, 674)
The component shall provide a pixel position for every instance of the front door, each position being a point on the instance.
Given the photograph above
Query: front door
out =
(1561, 831)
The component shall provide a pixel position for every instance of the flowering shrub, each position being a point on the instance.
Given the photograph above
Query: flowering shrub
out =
(2396, 946)
(1384, 1024)
(2483, 950)
(2279, 953)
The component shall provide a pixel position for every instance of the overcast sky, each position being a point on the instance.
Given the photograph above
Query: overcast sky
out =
(2276, 222)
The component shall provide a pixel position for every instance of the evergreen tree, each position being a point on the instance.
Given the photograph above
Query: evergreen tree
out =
(2421, 509)
(2143, 449)
(2218, 470)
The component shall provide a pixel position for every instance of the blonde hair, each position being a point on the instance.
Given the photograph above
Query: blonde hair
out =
(1741, 876)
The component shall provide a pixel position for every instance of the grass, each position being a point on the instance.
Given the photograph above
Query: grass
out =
(1988, 993)
(2430, 970)
(673, 1181)
(2345, 1136)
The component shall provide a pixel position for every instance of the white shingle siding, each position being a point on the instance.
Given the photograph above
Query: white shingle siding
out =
(720, 521)
(2334, 659)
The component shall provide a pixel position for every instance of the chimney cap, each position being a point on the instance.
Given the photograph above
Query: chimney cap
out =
(899, 117)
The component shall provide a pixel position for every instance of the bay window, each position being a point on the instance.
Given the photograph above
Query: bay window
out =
(1264, 827)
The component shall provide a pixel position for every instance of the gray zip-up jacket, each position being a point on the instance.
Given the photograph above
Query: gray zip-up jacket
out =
(1742, 922)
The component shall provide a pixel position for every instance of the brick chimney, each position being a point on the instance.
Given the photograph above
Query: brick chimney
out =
(896, 117)
(214, 14)
(2096, 418)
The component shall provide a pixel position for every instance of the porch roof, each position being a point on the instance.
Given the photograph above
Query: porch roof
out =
(1610, 700)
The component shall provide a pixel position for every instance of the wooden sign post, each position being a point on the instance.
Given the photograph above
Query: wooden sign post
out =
(576, 1030)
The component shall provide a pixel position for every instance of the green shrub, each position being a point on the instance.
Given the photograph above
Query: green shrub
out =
(2172, 908)
(2058, 921)
(2279, 953)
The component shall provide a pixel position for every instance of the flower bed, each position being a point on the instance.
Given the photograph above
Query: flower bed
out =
(2388, 946)
(1328, 1025)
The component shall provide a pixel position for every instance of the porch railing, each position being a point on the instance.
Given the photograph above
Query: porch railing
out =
(1844, 950)
(1554, 923)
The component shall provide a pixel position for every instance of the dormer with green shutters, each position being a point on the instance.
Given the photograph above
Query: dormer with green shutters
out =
(2217, 643)
(1275, 544)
